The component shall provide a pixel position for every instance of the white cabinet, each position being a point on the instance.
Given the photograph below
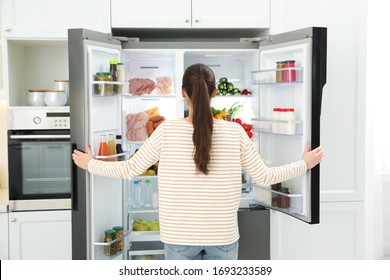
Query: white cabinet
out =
(187, 14)
(40, 235)
(3, 236)
(53, 18)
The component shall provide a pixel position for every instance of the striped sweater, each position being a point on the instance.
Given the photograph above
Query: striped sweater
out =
(198, 209)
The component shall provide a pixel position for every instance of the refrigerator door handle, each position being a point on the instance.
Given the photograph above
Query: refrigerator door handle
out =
(74, 195)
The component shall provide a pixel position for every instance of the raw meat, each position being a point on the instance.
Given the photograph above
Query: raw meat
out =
(164, 85)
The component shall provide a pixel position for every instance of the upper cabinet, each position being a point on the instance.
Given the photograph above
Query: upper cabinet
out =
(190, 14)
(53, 18)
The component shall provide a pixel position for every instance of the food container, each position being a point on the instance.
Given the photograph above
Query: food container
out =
(55, 98)
(36, 97)
(120, 244)
(62, 85)
(109, 236)
(103, 87)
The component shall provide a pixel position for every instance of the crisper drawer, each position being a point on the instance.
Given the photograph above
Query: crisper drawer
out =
(151, 250)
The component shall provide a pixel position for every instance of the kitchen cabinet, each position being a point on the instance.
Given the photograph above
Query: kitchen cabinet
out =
(33, 64)
(53, 18)
(190, 14)
(3, 236)
(40, 235)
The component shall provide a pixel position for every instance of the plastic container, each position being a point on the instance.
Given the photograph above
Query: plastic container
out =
(279, 73)
(276, 117)
(290, 118)
(147, 191)
(135, 194)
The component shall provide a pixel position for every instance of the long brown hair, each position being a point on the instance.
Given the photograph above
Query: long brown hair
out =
(199, 83)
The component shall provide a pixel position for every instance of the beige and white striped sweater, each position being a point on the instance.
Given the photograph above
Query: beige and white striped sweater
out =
(198, 209)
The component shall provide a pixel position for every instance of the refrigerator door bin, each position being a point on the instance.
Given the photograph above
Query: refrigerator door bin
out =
(277, 127)
(110, 250)
(107, 88)
(278, 76)
(148, 250)
(279, 200)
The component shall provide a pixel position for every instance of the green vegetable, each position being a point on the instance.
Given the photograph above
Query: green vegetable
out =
(221, 86)
(223, 80)
(230, 86)
(235, 109)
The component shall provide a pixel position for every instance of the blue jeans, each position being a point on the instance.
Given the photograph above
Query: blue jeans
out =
(185, 252)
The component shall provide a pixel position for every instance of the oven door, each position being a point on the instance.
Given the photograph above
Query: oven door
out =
(39, 170)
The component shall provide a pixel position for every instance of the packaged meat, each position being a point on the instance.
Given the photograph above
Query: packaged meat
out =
(136, 126)
(164, 85)
(141, 86)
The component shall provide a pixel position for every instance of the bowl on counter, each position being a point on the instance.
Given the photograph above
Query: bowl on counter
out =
(55, 98)
(36, 97)
(62, 85)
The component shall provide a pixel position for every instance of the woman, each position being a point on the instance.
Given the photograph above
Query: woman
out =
(200, 164)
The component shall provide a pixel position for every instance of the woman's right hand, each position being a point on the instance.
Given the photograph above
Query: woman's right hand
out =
(312, 157)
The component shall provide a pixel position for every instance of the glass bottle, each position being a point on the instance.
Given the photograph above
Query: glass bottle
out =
(119, 144)
(111, 147)
(121, 77)
(114, 73)
(103, 147)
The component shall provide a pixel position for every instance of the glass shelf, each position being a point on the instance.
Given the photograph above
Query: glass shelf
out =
(136, 236)
(291, 75)
(276, 127)
(117, 157)
(288, 203)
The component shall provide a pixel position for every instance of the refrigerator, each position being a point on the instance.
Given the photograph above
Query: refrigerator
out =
(101, 203)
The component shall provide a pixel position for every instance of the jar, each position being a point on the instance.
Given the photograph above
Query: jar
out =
(289, 75)
(277, 188)
(276, 114)
(36, 97)
(103, 87)
(114, 74)
(120, 244)
(290, 118)
(279, 73)
(55, 98)
(109, 235)
(63, 85)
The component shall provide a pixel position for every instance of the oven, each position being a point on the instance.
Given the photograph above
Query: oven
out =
(39, 158)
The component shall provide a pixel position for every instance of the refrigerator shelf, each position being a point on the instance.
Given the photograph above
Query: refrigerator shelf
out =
(284, 202)
(276, 127)
(290, 75)
(141, 209)
(136, 236)
(146, 252)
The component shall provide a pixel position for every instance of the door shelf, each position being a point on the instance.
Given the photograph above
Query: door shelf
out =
(117, 157)
(142, 209)
(108, 250)
(276, 127)
(102, 88)
(284, 202)
(291, 75)
(145, 253)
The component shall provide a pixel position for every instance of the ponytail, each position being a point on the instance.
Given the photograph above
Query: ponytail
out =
(199, 82)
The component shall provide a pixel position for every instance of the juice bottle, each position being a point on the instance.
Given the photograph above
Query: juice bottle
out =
(111, 146)
(103, 147)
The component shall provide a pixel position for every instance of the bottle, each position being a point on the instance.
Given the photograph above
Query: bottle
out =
(121, 77)
(140, 193)
(279, 73)
(276, 119)
(289, 75)
(109, 235)
(283, 200)
(147, 190)
(155, 196)
(114, 73)
(290, 118)
(111, 147)
(119, 144)
(103, 147)
(136, 194)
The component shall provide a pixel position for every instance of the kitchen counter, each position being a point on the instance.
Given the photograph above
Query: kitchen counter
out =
(3, 200)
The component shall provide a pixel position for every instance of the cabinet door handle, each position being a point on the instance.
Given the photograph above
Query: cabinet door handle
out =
(7, 29)
(197, 20)
(187, 20)
(13, 220)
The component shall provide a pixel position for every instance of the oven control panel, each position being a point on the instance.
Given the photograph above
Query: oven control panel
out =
(39, 118)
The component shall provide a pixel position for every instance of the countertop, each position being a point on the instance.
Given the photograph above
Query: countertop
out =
(3, 200)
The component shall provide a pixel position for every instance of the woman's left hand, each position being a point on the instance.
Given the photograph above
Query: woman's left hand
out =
(82, 159)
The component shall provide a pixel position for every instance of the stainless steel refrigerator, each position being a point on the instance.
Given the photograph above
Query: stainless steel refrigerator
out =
(100, 203)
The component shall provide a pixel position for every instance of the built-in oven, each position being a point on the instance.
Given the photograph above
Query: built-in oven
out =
(39, 158)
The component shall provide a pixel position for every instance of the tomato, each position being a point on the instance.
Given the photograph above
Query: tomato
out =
(238, 120)
(247, 127)
(250, 134)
